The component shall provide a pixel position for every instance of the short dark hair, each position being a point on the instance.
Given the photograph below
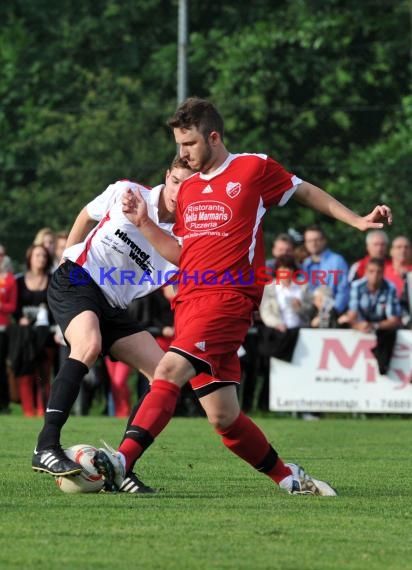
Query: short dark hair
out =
(315, 228)
(286, 261)
(376, 261)
(178, 162)
(199, 113)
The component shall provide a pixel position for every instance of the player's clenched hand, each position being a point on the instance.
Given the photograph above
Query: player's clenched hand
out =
(134, 207)
(376, 219)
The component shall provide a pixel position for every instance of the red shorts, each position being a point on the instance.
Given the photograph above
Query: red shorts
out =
(209, 332)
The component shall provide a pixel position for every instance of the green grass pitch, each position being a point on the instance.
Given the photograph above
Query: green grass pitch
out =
(212, 510)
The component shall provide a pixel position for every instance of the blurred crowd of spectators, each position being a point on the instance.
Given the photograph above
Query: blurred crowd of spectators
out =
(315, 287)
(32, 346)
(308, 285)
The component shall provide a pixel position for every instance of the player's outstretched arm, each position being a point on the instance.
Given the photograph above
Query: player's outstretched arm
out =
(82, 226)
(134, 208)
(318, 199)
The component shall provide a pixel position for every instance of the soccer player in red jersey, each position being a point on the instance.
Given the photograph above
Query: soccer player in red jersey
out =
(219, 250)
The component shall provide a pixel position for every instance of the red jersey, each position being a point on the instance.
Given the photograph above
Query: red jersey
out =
(396, 278)
(8, 298)
(219, 219)
(357, 269)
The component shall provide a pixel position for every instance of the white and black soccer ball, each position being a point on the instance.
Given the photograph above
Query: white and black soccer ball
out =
(89, 480)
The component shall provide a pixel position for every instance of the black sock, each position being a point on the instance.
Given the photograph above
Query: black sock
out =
(63, 393)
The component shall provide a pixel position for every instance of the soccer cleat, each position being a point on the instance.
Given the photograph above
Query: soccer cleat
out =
(55, 462)
(132, 484)
(304, 484)
(109, 463)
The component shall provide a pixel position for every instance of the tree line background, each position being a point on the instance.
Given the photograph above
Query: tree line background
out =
(86, 87)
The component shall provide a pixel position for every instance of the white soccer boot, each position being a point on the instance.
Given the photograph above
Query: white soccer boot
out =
(111, 464)
(300, 483)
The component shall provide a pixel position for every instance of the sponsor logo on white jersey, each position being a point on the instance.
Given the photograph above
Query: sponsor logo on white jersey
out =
(201, 345)
(207, 190)
(233, 189)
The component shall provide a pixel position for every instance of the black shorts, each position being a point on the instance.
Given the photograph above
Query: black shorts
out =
(67, 300)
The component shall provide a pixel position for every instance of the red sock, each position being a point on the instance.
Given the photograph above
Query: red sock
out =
(152, 416)
(245, 439)
(26, 393)
(279, 471)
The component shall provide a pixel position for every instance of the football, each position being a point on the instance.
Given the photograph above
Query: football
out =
(89, 480)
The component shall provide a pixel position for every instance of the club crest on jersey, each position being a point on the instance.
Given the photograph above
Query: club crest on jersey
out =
(233, 189)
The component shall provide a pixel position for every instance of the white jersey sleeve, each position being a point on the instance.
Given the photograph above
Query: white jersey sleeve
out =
(98, 207)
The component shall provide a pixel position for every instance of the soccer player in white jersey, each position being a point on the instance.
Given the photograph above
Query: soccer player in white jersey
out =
(107, 264)
(218, 221)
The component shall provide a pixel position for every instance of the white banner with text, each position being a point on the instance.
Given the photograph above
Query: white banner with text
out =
(334, 370)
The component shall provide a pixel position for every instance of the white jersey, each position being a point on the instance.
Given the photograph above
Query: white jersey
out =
(115, 254)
